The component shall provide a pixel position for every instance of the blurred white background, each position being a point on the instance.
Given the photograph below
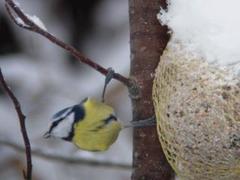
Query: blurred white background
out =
(46, 79)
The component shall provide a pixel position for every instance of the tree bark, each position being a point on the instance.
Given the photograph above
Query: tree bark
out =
(148, 40)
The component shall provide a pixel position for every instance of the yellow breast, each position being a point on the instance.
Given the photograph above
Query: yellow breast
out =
(94, 133)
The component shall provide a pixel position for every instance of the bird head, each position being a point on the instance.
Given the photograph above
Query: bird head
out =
(63, 122)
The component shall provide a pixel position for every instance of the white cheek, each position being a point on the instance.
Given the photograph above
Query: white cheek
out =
(64, 127)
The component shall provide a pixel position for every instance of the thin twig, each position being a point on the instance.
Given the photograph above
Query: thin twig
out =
(21, 117)
(12, 7)
(67, 159)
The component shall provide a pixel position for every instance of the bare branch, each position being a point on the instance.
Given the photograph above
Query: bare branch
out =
(12, 7)
(67, 159)
(21, 117)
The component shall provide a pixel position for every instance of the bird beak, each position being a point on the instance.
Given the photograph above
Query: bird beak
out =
(47, 135)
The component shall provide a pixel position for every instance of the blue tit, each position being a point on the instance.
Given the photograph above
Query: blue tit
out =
(90, 125)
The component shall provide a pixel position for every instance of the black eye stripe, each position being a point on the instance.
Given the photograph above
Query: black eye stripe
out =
(54, 124)
(59, 117)
(60, 113)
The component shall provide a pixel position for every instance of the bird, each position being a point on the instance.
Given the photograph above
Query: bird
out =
(90, 125)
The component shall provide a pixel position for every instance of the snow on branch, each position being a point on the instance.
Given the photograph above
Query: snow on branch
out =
(34, 24)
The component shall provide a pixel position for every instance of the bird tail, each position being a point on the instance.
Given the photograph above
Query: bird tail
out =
(141, 123)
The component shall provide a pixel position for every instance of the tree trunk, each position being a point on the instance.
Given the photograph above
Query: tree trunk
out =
(148, 40)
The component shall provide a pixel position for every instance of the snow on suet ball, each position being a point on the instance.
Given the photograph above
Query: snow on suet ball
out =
(209, 29)
(196, 91)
